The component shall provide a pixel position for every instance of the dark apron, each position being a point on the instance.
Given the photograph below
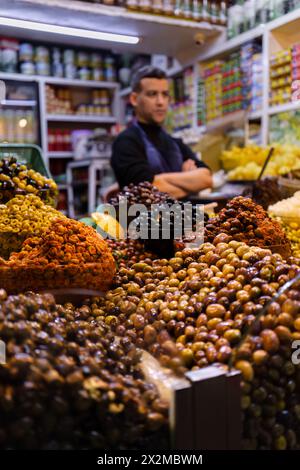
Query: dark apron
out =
(157, 162)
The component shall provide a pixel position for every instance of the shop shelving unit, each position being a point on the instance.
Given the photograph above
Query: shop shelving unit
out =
(71, 121)
(93, 166)
(275, 35)
(45, 118)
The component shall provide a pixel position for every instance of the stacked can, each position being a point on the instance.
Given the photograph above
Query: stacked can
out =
(257, 83)
(201, 102)
(181, 114)
(281, 77)
(251, 66)
(232, 97)
(296, 62)
(212, 75)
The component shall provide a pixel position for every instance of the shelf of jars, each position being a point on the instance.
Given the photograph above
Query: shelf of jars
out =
(183, 15)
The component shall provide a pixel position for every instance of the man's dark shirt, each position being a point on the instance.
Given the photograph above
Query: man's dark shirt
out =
(129, 159)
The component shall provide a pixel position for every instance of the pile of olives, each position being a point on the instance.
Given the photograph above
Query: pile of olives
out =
(247, 222)
(16, 178)
(198, 309)
(68, 383)
(143, 193)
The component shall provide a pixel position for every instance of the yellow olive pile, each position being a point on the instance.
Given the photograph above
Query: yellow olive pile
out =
(22, 217)
(292, 230)
(68, 383)
(17, 178)
(206, 300)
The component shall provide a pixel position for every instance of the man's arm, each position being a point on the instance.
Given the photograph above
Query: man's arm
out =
(163, 185)
(190, 181)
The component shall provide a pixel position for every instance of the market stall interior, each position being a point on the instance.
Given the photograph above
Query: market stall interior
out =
(122, 342)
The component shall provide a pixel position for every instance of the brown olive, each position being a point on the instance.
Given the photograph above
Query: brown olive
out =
(233, 336)
(270, 340)
(283, 333)
(215, 310)
(246, 368)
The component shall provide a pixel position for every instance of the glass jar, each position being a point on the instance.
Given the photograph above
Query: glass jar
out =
(42, 68)
(84, 73)
(42, 54)
(110, 71)
(56, 55)
(70, 71)
(249, 8)
(145, 5)
(9, 60)
(69, 56)
(27, 68)
(26, 52)
(82, 59)
(57, 70)
(97, 74)
(96, 60)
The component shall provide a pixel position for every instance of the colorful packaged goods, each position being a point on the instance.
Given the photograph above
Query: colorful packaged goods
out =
(280, 77)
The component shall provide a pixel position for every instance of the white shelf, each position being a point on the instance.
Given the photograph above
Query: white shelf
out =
(60, 154)
(125, 92)
(284, 20)
(158, 34)
(79, 118)
(79, 83)
(224, 122)
(282, 108)
(223, 46)
(255, 115)
(59, 81)
(19, 103)
(108, 13)
(19, 76)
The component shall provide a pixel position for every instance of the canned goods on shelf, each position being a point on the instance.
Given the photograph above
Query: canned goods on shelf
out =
(27, 68)
(42, 54)
(26, 52)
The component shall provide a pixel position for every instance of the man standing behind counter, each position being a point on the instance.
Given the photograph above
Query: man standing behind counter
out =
(145, 152)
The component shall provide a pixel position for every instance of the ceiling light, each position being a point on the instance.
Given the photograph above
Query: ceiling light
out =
(67, 31)
(23, 122)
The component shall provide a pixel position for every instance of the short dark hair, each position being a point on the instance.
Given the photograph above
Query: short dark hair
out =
(148, 71)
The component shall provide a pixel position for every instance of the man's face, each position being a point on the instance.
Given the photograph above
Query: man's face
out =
(152, 102)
